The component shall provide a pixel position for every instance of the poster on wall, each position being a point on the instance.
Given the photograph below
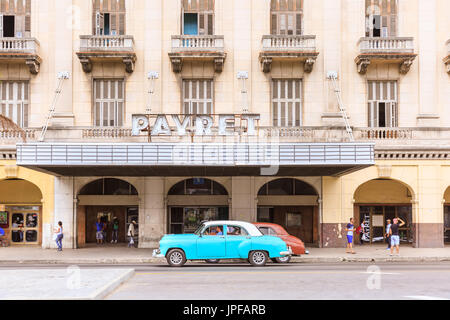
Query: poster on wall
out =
(3, 218)
(377, 220)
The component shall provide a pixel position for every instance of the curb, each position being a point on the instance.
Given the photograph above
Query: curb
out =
(118, 261)
(110, 287)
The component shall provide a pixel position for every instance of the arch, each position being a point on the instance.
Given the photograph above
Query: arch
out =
(19, 191)
(287, 187)
(376, 201)
(197, 186)
(108, 186)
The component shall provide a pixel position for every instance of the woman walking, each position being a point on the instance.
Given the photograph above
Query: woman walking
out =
(131, 234)
(59, 235)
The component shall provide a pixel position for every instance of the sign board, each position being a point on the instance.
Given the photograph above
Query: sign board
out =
(198, 125)
(378, 220)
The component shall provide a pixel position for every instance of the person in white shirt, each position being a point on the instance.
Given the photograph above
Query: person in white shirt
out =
(131, 234)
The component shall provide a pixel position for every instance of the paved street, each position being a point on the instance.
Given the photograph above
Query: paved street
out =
(232, 281)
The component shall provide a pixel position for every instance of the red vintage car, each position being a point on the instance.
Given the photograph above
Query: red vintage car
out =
(272, 229)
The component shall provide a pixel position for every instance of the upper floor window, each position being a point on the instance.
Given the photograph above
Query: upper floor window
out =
(198, 96)
(108, 17)
(198, 17)
(14, 101)
(15, 18)
(382, 104)
(109, 102)
(286, 17)
(287, 103)
(381, 18)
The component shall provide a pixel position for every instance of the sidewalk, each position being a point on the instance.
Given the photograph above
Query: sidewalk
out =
(120, 254)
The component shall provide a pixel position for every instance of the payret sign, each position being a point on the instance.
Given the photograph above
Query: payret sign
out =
(203, 124)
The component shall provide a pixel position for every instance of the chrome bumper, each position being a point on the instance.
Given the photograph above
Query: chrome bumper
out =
(286, 253)
(157, 254)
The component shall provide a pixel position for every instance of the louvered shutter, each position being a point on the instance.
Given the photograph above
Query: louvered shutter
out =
(274, 24)
(121, 24)
(1, 24)
(99, 23)
(210, 24)
(393, 25)
(298, 23)
(201, 24)
(28, 25)
(19, 25)
(113, 24)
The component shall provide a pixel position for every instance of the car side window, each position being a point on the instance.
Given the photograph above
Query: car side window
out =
(264, 230)
(213, 231)
(272, 232)
(236, 231)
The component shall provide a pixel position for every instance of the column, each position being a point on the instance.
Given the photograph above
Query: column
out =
(243, 199)
(152, 213)
(64, 212)
(428, 74)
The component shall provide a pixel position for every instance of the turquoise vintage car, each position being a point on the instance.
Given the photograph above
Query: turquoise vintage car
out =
(216, 240)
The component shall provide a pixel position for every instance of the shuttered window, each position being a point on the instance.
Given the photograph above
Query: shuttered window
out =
(15, 18)
(381, 18)
(382, 109)
(198, 97)
(286, 17)
(287, 103)
(108, 103)
(198, 17)
(14, 101)
(108, 17)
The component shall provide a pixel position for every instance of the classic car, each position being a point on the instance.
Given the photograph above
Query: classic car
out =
(215, 240)
(272, 229)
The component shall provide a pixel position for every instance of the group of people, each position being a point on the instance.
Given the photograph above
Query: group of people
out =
(102, 228)
(392, 235)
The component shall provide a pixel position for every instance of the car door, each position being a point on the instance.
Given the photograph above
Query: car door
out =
(211, 243)
(238, 242)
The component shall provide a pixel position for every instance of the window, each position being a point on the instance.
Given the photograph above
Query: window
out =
(213, 231)
(286, 187)
(286, 17)
(108, 103)
(108, 17)
(14, 101)
(382, 104)
(197, 186)
(287, 103)
(381, 18)
(109, 186)
(267, 231)
(15, 18)
(236, 231)
(198, 17)
(198, 96)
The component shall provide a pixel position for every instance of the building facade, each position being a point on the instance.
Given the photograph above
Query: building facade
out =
(244, 120)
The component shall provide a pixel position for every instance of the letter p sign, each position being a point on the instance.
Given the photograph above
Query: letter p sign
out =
(140, 122)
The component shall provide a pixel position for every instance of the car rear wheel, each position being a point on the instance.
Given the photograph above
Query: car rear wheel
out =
(284, 259)
(176, 258)
(258, 258)
(212, 260)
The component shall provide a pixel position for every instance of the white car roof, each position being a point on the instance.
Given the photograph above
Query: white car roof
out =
(251, 228)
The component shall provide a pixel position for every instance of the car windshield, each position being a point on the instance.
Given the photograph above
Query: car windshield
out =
(199, 229)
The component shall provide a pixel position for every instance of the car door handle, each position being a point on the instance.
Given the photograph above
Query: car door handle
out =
(223, 237)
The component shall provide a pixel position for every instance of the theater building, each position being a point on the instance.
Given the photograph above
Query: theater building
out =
(177, 111)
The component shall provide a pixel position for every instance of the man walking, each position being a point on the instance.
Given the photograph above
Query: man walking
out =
(99, 232)
(388, 236)
(395, 237)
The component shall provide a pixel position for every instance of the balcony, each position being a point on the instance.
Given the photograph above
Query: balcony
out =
(386, 50)
(447, 58)
(23, 50)
(194, 47)
(291, 48)
(106, 49)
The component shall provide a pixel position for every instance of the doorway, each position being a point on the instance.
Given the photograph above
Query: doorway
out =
(9, 26)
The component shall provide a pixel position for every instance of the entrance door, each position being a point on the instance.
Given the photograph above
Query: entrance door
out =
(299, 221)
(107, 214)
(24, 225)
(447, 224)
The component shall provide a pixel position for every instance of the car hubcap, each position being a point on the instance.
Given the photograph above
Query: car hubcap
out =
(284, 259)
(176, 258)
(258, 257)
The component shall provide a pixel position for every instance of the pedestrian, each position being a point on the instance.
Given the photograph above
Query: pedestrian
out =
(2, 235)
(99, 232)
(388, 236)
(105, 229)
(115, 230)
(350, 229)
(395, 237)
(59, 235)
(131, 234)
(360, 232)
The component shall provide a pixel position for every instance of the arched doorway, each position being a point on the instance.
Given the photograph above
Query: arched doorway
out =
(194, 200)
(106, 199)
(291, 203)
(447, 216)
(378, 200)
(21, 211)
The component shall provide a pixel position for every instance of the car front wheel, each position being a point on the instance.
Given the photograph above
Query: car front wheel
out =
(176, 258)
(258, 258)
(284, 259)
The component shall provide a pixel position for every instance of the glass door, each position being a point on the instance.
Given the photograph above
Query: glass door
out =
(24, 225)
(447, 224)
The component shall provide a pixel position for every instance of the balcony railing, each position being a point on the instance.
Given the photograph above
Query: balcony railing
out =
(182, 43)
(90, 43)
(288, 43)
(101, 133)
(387, 45)
(384, 134)
(13, 136)
(19, 45)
